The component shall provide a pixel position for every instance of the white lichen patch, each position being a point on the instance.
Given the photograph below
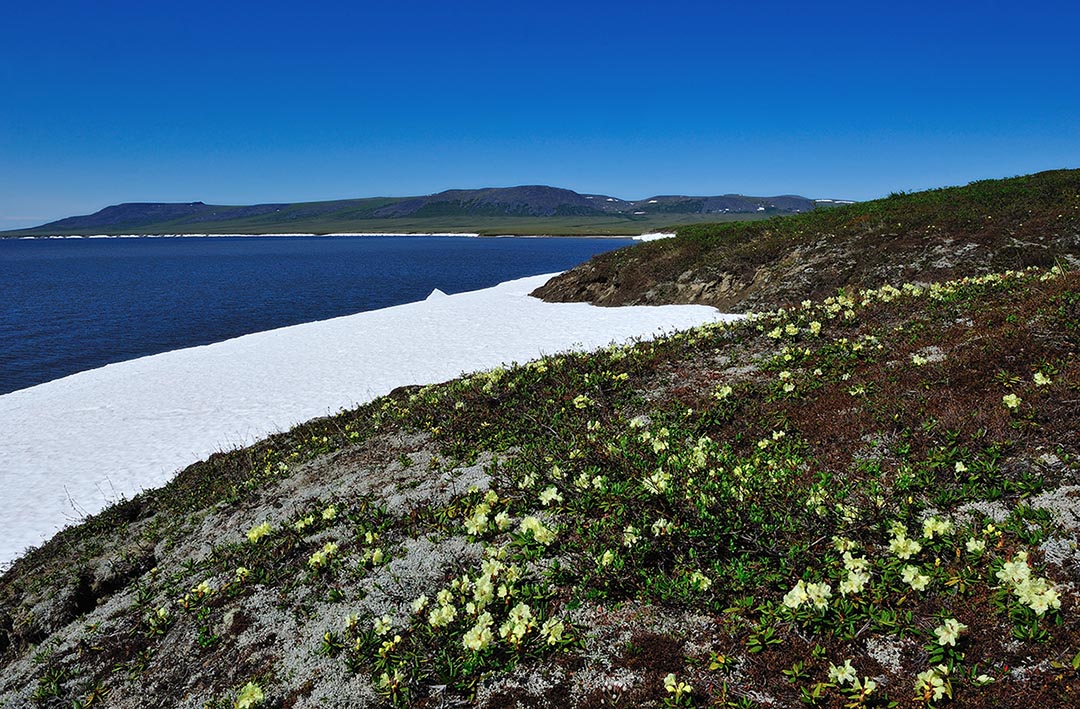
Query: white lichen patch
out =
(974, 511)
(535, 685)
(1063, 505)
(931, 354)
(418, 567)
(1061, 551)
(611, 683)
(888, 652)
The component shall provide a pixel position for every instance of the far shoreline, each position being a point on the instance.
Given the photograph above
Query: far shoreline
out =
(472, 235)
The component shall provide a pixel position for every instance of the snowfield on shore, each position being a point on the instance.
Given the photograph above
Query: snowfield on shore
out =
(73, 445)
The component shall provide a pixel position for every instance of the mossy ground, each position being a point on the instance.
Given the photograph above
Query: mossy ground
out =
(627, 528)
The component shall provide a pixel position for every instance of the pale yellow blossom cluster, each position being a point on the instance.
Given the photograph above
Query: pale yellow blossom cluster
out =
(582, 402)
(251, 696)
(933, 684)
(659, 440)
(843, 544)
(676, 687)
(913, 577)
(858, 574)
(480, 518)
(549, 495)
(445, 613)
(700, 581)
(519, 622)
(949, 631)
(541, 533)
(388, 646)
(900, 544)
(197, 593)
(383, 625)
(662, 526)
(258, 532)
(699, 454)
(658, 482)
(975, 546)
(816, 499)
(479, 636)
(390, 681)
(322, 557)
(552, 630)
(842, 674)
(1033, 591)
(817, 594)
(934, 526)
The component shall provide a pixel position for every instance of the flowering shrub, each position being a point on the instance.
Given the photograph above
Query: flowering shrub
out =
(251, 695)
(1035, 592)
(258, 532)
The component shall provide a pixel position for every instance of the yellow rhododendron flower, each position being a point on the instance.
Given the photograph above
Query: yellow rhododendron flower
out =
(258, 532)
(251, 695)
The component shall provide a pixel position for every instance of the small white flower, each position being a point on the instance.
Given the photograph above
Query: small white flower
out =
(949, 631)
(552, 630)
(842, 674)
(549, 495)
(796, 596)
(911, 576)
(383, 625)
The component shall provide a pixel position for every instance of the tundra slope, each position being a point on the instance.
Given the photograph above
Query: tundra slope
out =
(869, 498)
(984, 227)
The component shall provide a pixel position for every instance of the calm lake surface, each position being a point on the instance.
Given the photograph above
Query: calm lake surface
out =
(68, 305)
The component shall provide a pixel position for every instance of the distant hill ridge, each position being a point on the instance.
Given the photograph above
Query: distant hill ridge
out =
(449, 207)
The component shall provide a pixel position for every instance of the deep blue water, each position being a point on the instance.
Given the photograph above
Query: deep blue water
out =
(67, 305)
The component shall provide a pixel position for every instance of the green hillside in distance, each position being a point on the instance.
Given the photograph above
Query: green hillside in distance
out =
(983, 227)
(510, 210)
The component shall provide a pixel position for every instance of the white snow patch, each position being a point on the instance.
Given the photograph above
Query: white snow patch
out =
(73, 445)
(655, 236)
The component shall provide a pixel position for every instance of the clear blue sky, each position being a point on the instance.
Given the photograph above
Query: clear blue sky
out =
(239, 102)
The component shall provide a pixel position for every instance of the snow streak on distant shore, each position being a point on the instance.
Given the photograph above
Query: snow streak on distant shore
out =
(73, 445)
